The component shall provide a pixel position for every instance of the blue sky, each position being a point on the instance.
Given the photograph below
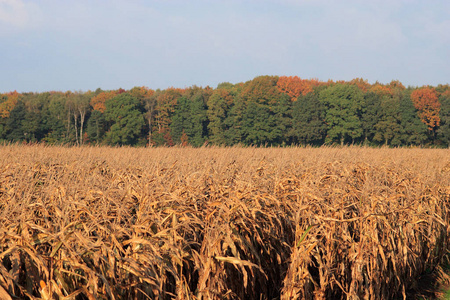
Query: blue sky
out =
(73, 45)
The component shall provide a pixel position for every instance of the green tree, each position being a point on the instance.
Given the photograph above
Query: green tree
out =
(96, 126)
(264, 124)
(308, 126)
(31, 125)
(388, 126)
(197, 129)
(54, 118)
(258, 124)
(232, 114)
(126, 119)
(444, 129)
(234, 122)
(190, 117)
(180, 119)
(219, 105)
(282, 113)
(148, 100)
(13, 128)
(343, 108)
(25, 120)
(370, 117)
(265, 111)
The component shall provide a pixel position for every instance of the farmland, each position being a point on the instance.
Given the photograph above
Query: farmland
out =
(220, 223)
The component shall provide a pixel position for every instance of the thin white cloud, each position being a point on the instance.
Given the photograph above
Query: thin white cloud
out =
(13, 12)
(357, 30)
(162, 43)
(18, 14)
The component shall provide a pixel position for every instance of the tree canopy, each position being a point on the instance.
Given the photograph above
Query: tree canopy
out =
(267, 110)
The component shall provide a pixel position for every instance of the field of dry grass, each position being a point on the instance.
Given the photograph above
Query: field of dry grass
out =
(220, 223)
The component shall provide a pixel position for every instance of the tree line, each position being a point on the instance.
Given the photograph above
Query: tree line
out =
(267, 110)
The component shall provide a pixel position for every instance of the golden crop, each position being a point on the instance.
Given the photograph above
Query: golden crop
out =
(220, 223)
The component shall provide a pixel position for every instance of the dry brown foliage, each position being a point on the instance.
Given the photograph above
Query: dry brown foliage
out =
(220, 223)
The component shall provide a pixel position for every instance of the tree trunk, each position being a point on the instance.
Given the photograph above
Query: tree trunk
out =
(68, 123)
(150, 131)
(82, 116)
(75, 117)
(98, 130)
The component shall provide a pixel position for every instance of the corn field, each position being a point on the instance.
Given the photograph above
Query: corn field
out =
(220, 223)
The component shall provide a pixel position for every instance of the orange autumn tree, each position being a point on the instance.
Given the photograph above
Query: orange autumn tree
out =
(8, 105)
(426, 101)
(166, 101)
(381, 90)
(98, 102)
(446, 93)
(396, 84)
(165, 105)
(314, 82)
(362, 84)
(141, 93)
(294, 86)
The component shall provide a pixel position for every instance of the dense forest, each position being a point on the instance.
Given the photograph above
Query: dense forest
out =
(268, 110)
